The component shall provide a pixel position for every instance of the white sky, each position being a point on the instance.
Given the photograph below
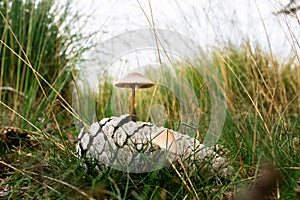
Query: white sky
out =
(208, 23)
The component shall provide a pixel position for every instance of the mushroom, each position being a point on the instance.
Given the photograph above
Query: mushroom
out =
(165, 140)
(133, 80)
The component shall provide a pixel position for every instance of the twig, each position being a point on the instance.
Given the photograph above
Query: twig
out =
(11, 89)
(188, 178)
(23, 172)
(180, 176)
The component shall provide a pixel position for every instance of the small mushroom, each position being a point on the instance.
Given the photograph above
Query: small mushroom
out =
(165, 140)
(133, 80)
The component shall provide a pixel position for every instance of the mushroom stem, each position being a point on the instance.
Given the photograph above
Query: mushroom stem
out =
(134, 80)
(131, 111)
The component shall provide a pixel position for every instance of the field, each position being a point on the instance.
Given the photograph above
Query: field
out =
(39, 55)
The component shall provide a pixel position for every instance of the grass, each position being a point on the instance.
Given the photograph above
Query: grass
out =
(38, 158)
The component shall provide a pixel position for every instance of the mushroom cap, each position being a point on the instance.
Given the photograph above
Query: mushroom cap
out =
(165, 140)
(134, 80)
(117, 142)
